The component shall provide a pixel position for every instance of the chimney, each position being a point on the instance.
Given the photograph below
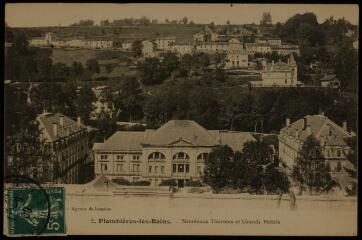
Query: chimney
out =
(79, 122)
(329, 132)
(345, 125)
(323, 141)
(308, 130)
(55, 129)
(287, 122)
(304, 122)
(61, 121)
(273, 62)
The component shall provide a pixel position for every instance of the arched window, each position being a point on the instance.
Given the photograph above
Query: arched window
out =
(181, 156)
(156, 156)
(202, 156)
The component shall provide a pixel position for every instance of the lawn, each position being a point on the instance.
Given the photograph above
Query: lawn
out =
(69, 56)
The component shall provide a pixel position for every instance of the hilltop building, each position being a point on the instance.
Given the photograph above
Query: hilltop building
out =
(279, 74)
(176, 150)
(331, 137)
(50, 40)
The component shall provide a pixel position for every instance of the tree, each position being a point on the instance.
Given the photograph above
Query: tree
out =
(129, 100)
(260, 160)
(93, 65)
(105, 22)
(60, 72)
(26, 155)
(85, 100)
(311, 165)
(137, 48)
(170, 62)
(184, 20)
(151, 72)
(218, 167)
(77, 69)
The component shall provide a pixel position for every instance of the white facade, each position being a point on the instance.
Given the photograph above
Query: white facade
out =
(177, 150)
(280, 74)
(164, 43)
(199, 37)
(148, 48)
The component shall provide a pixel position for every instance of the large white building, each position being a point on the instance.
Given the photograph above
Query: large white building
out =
(176, 150)
(280, 73)
(331, 137)
(236, 55)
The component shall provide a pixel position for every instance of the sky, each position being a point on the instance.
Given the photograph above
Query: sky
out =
(64, 14)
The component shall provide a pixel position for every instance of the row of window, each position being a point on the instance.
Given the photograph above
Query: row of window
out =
(156, 169)
(120, 167)
(155, 156)
(120, 157)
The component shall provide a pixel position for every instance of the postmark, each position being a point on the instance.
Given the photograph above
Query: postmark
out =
(33, 209)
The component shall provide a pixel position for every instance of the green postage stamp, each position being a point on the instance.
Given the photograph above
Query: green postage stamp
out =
(36, 211)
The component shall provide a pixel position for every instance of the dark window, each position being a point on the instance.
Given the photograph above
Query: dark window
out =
(187, 168)
(180, 168)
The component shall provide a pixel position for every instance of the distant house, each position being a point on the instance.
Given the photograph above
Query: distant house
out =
(280, 73)
(331, 137)
(330, 80)
(214, 36)
(149, 48)
(101, 43)
(285, 49)
(262, 48)
(271, 41)
(200, 37)
(101, 107)
(183, 47)
(212, 47)
(127, 45)
(42, 41)
(163, 43)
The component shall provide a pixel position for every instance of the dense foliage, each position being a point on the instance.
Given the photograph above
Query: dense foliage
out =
(254, 168)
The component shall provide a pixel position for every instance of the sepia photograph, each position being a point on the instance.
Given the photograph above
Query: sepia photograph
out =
(228, 119)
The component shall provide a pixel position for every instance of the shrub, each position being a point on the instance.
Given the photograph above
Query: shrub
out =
(141, 183)
(121, 181)
(168, 182)
(196, 190)
(195, 183)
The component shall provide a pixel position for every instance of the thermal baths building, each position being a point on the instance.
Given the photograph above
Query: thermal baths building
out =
(176, 150)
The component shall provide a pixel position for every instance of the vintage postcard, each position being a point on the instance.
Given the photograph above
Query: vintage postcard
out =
(180, 119)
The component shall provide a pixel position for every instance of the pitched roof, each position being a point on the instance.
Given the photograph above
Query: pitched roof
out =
(180, 130)
(321, 128)
(235, 140)
(122, 141)
(174, 133)
(47, 120)
(328, 77)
